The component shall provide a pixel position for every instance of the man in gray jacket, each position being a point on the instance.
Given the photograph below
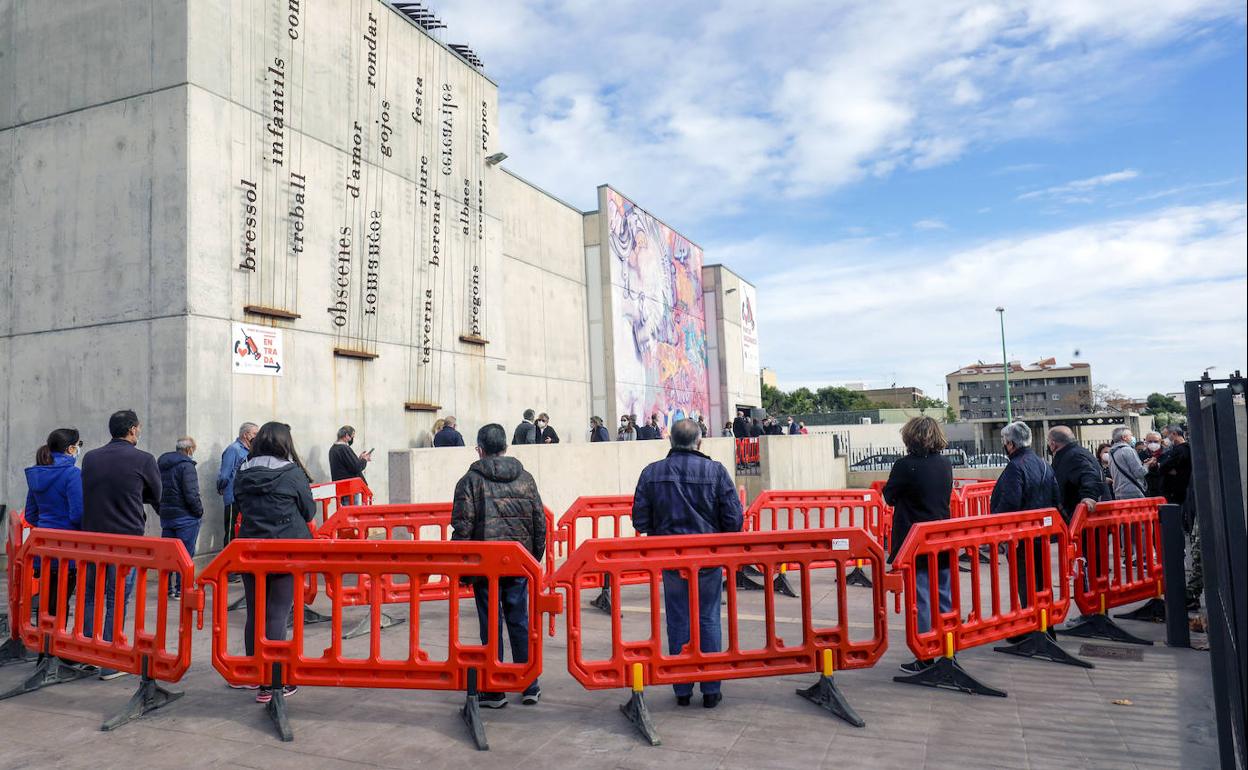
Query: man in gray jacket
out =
(1125, 468)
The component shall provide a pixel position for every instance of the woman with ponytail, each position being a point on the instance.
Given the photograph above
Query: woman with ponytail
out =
(54, 493)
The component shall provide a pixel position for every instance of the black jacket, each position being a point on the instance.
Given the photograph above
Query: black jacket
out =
(1026, 484)
(1176, 473)
(117, 479)
(918, 488)
(525, 433)
(448, 436)
(275, 500)
(547, 433)
(740, 427)
(498, 500)
(647, 432)
(1079, 476)
(344, 463)
(179, 495)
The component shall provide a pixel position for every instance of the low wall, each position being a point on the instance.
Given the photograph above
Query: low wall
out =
(863, 479)
(796, 462)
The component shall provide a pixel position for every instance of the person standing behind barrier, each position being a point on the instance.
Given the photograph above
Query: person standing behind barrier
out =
(234, 455)
(627, 431)
(544, 434)
(598, 432)
(741, 425)
(117, 480)
(54, 500)
(344, 462)
(1026, 484)
(688, 493)
(180, 507)
(706, 432)
(1125, 468)
(497, 499)
(1176, 478)
(919, 487)
(1078, 474)
(274, 491)
(1102, 454)
(448, 435)
(526, 431)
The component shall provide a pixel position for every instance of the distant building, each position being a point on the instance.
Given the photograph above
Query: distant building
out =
(977, 391)
(769, 378)
(900, 398)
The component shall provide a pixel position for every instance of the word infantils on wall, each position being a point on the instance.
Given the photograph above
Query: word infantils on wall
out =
(365, 174)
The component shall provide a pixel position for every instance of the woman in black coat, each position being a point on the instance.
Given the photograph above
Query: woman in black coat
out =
(274, 493)
(545, 433)
(919, 488)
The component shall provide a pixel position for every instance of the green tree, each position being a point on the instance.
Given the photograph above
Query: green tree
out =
(773, 399)
(801, 401)
(1159, 403)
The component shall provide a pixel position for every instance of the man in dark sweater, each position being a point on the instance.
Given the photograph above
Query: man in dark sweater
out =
(448, 436)
(1079, 476)
(117, 479)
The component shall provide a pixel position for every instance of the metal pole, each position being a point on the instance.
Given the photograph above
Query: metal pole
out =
(1172, 542)
(1005, 368)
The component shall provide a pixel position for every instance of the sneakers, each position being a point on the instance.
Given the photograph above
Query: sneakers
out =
(175, 594)
(266, 693)
(107, 674)
(915, 666)
(531, 696)
(242, 686)
(492, 700)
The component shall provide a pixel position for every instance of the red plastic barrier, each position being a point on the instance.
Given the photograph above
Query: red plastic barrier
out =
(819, 509)
(328, 495)
(605, 515)
(748, 452)
(645, 661)
(13, 650)
(973, 499)
(293, 662)
(1120, 546)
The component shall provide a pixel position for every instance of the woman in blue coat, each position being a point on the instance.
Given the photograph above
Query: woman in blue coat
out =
(54, 494)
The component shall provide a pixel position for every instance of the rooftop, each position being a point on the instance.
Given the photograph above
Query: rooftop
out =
(1043, 365)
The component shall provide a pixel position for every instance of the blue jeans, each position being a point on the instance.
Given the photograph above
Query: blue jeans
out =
(186, 530)
(513, 612)
(922, 594)
(110, 581)
(676, 603)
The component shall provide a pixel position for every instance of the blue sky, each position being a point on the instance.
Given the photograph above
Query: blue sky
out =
(888, 171)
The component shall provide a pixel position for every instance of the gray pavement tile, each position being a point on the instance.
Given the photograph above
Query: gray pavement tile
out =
(778, 754)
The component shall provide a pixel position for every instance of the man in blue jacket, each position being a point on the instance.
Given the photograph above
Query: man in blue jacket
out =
(1026, 484)
(688, 493)
(180, 507)
(234, 456)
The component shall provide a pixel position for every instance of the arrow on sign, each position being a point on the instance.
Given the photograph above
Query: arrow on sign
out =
(274, 367)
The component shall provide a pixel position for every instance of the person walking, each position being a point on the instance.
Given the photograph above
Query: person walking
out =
(234, 455)
(181, 509)
(54, 501)
(274, 492)
(1125, 469)
(544, 434)
(497, 499)
(598, 432)
(1026, 484)
(526, 431)
(688, 493)
(118, 479)
(919, 487)
(448, 435)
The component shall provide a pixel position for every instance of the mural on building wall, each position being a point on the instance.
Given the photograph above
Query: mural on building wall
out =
(659, 320)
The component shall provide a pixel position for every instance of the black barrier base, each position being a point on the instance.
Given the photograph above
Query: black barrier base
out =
(827, 696)
(149, 697)
(946, 673)
(602, 601)
(1152, 611)
(1038, 644)
(237, 604)
(366, 624)
(747, 583)
(639, 715)
(857, 577)
(13, 651)
(471, 713)
(311, 617)
(1101, 627)
(50, 670)
(780, 585)
(964, 562)
(276, 708)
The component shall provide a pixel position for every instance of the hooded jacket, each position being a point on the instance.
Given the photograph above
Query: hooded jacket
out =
(274, 498)
(686, 493)
(179, 488)
(54, 494)
(497, 499)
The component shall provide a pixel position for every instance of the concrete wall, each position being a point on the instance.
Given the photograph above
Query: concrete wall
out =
(863, 479)
(730, 385)
(797, 462)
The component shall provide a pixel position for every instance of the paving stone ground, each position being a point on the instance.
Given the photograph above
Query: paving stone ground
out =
(1055, 716)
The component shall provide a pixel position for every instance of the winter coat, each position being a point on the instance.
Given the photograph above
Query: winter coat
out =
(1026, 484)
(686, 493)
(794, 429)
(625, 435)
(1127, 472)
(344, 463)
(54, 494)
(525, 433)
(740, 427)
(546, 433)
(497, 499)
(599, 434)
(117, 480)
(448, 436)
(919, 487)
(234, 456)
(179, 495)
(274, 499)
(1079, 477)
(1176, 473)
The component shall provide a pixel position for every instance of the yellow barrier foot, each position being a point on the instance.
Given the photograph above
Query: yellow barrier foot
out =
(471, 713)
(149, 697)
(13, 651)
(1039, 644)
(1152, 611)
(946, 673)
(1101, 627)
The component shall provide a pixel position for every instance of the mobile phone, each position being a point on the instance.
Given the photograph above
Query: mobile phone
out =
(370, 450)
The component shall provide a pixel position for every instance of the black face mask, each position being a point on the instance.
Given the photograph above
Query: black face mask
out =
(351, 441)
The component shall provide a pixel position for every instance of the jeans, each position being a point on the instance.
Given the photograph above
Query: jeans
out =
(513, 612)
(186, 530)
(110, 581)
(922, 594)
(676, 604)
(279, 601)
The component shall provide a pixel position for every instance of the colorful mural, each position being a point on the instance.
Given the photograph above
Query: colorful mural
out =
(659, 321)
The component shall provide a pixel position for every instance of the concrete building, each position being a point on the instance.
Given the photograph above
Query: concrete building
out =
(900, 398)
(977, 391)
(213, 213)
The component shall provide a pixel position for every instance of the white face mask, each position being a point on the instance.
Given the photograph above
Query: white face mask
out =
(1105, 457)
(1153, 446)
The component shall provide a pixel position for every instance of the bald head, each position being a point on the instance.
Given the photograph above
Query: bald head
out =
(1061, 435)
(686, 435)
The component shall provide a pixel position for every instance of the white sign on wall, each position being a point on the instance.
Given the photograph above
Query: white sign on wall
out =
(749, 330)
(256, 350)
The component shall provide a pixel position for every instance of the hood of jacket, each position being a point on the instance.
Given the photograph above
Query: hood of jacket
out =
(263, 475)
(170, 459)
(499, 468)
(41, 478)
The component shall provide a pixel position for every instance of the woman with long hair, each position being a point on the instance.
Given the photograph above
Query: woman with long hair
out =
(274, 494)
(1102, 455)
(54, 499)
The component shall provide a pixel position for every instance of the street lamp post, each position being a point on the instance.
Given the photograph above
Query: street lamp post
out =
(1005, 368)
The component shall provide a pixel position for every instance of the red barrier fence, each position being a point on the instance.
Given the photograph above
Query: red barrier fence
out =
(276, 663)
(640, 662)
(1120, 563)
(13, 651)
(329, 494)
(748, 452)
(973, 499)
(1015, 594)
(72, 571)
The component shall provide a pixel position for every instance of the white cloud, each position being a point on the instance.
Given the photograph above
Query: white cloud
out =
(930, 224)
(1077, 191)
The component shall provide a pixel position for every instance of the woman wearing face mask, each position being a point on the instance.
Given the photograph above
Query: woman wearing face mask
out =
(54, 495)
(1102, 454)
(545, 433)
(626, 432)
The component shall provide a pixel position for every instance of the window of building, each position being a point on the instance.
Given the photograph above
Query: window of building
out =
(1056, 397)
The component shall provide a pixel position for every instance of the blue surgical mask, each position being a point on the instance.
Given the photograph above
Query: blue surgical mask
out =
(1134, 441)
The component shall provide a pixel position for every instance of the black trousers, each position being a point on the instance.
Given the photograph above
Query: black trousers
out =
(1039, 553)
(231, 517)
(279, 602)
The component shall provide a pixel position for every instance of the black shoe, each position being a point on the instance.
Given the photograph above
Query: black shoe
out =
(531, 696)
(492, 700)
(711, 700)
(915, 666)
(683, 700)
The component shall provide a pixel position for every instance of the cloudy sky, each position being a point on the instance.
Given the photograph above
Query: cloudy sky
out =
(887, 172)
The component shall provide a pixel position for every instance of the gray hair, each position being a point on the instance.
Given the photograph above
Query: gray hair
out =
(345, 431)
(1118, 433)
(1175, 430)
(685, 434)
(185, 443)
(450, 421)
(246, 428)
(1061, 435)
(1017, 433)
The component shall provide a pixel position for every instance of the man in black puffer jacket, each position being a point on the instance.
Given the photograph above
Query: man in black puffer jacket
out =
(1026, 484)
(498, 500)
(180, 507)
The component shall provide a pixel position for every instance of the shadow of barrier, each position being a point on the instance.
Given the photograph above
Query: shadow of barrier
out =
(673, 560)
(1118, 549)
(71, 565)
(473, 668)
(13, 651)
(1021, 606)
